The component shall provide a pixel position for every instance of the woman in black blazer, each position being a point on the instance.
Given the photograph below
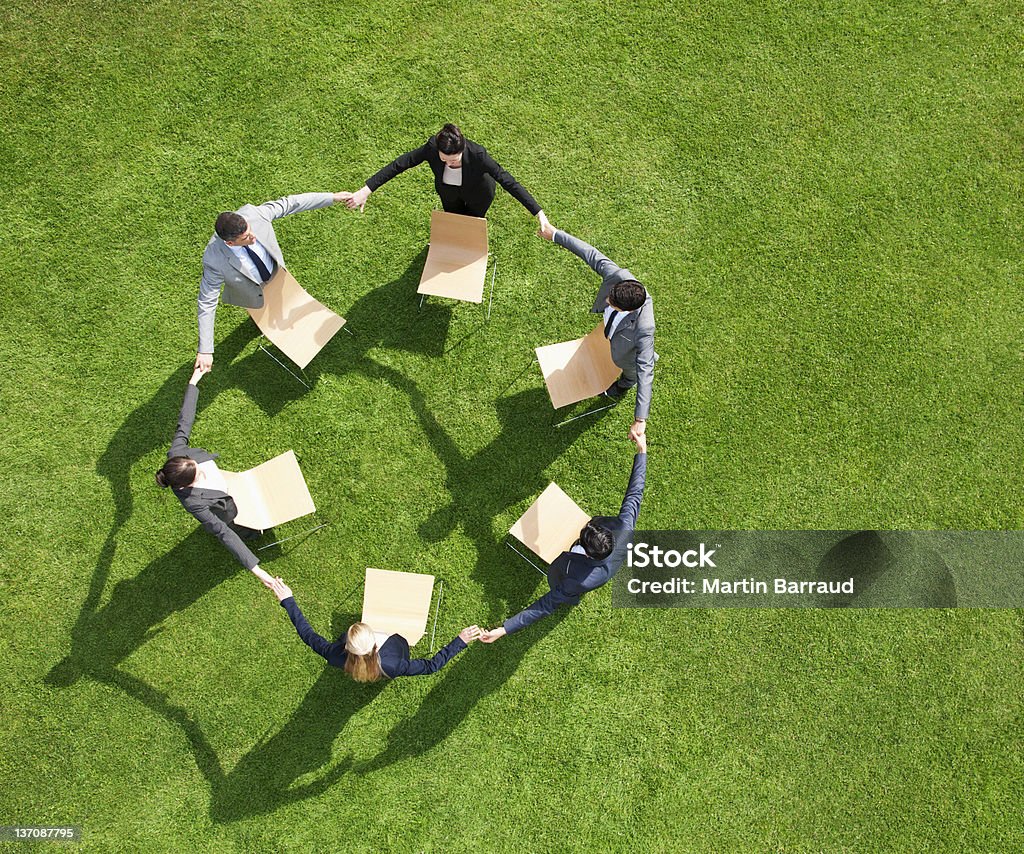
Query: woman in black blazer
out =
(198, 484)
(357, 651)
(464, 176)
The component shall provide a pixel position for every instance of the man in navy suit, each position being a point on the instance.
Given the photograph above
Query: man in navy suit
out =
(592, 561)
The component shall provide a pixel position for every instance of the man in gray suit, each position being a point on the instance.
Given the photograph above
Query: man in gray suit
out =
(242, 256)
(628, 324)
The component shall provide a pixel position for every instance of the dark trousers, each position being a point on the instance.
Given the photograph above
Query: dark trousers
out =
(453, 201)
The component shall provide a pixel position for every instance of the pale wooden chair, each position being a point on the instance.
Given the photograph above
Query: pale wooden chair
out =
(577, 370)
(398, 603)
(456, 266)
(549, 526)
(271, 494)
(298, 325)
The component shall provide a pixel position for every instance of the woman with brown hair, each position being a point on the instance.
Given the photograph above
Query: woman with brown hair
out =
(192, 475)
(364, 654)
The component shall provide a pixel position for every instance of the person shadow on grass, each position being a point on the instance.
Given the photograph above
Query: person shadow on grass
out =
(509, 470)
(150, 427)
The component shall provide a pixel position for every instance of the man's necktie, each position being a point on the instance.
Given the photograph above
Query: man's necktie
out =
(607, 325)
(261, 268)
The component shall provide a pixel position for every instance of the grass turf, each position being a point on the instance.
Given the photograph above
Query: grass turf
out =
(825, 200)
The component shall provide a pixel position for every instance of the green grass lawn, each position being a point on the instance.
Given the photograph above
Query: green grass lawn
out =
(824, 198)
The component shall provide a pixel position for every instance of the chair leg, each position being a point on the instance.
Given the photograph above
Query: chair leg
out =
(293, 536)
(494, 271)
(585, 414)
(283, 365)
(437, 610)
(524, 557)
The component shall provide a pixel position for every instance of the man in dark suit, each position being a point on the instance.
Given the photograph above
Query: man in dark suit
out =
(592, 561)
(628, 312)
(465, 176)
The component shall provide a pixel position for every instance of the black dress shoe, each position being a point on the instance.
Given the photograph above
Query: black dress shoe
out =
(614, 391)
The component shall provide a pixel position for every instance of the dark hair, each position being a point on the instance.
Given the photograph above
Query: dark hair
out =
(627, 295)
(177, 472)
(597, 541)
(450, 140)
(230, 225)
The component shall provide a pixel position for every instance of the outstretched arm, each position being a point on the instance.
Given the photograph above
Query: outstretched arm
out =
(381, 177)
(229, 539)
(320, 645)
(298, 203)
(544, 606)
(187, 416)
(644, 374)
(426, 666)
(510, 184)
(598, 262)
(630, 509)
(209, 294)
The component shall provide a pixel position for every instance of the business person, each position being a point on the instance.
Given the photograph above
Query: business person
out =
(628, 313)
(240, 258)
(465, 176)
(594, 559)
(192, 475)
(364, 654)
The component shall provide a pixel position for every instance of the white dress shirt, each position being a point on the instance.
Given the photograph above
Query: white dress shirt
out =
(452, 177)
(247, 266)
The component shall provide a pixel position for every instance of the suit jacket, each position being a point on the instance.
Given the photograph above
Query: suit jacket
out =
(633, 340)
(214, 509)
(222, 269)
(571, 575)
(394, 654)
(479, 173)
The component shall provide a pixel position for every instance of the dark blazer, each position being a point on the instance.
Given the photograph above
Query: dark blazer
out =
(214, 509)
(394, 654)
(632, 343)
(480, 171)
(571, 575)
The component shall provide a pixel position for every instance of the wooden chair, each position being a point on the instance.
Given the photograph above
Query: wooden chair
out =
(398, 603)
(271, 494)
(456, 265)
(549, 526)
(298, 325)
(577, 370)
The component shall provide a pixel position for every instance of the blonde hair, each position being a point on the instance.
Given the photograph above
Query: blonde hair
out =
(362, 661)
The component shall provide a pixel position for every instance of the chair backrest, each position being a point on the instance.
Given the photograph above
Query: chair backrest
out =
(270, 494)
(397, 603)
(456, 265)
(551, 524)
(297, 324)
(576, 370)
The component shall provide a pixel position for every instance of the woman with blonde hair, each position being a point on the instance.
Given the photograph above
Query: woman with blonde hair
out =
(364, 654)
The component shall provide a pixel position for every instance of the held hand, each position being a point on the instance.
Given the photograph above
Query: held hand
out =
(491, 635)
(267, 581)
(638, 434)
(281, 590)
(204, 362)
(356, 199)
(470, 634)
(197, 374)
(547, 230)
